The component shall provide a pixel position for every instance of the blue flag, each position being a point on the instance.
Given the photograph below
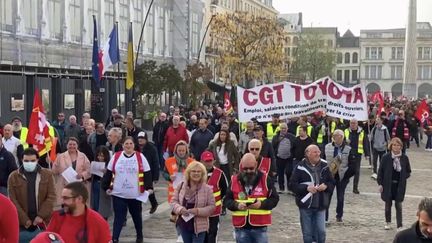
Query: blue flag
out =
(95, 57)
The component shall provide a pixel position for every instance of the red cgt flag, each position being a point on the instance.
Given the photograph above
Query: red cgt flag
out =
(378, 98)
(422, 112)
(227, 103)
(38, 132)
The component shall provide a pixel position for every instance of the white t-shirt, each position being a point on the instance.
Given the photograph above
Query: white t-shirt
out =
(11, 145)
(126, 176)
(223, 159)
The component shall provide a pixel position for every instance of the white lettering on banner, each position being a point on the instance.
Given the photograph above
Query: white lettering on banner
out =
(291, 100)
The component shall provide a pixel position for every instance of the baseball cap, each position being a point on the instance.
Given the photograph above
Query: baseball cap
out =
(16, 118)
(47, 237)
(142, 135)
(207, 156)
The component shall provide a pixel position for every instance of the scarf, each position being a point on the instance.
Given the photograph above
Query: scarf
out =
(181, 162)
(396, 161)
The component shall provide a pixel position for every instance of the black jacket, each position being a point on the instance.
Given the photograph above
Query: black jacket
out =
(159, 131)
(199, 141)
(150, 153)
(411, 235)
(268, 204)
(133, 133)
(7, 165)
(302, 175)
(385, 173)
(267, 152)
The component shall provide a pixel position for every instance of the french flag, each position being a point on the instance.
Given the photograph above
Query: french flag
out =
(110, 54)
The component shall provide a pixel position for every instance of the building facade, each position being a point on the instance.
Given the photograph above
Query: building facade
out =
(347, 59)
(47, 44)
(382, 60)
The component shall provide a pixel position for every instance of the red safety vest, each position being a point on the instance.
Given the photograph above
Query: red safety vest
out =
(265, 165)
(257, 217)
(140, 170)
(213, 182)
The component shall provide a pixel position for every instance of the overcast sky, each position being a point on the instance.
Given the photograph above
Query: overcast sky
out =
(355, 14)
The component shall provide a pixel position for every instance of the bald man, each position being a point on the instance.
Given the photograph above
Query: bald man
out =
(313, 185)
(251, 198)
(12, 144)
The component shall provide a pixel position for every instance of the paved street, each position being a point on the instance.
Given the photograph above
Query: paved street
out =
(363, 218)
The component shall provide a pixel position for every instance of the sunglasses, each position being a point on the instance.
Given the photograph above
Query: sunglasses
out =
(254, 149)
(248, 168)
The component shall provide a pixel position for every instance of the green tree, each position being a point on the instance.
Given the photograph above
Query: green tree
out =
(248, 47)
(170, 79)
(313, 59)
(148, 80)
(193, 88)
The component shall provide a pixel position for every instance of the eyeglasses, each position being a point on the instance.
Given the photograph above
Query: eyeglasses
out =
(248, 168)
(196, 171)
(66, 198)
(254, 149)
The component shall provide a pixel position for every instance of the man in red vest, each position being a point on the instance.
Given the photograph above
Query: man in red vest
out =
(251, 198)
(218, 181)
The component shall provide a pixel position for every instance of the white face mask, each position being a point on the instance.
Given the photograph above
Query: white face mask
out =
(29, 166)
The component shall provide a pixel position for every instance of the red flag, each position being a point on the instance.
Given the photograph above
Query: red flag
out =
(422, 112)
(378, 98)
(227, 103)
(38, 132)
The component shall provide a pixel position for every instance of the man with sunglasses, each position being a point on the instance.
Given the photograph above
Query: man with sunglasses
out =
(31, 189)
(251, 198)
(75, 222)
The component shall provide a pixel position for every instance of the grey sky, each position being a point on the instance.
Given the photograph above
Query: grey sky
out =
(355, 14)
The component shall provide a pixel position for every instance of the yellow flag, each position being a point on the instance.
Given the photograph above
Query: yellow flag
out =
(130, 60)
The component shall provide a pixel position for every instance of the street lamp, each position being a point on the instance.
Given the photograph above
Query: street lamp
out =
(212, 7)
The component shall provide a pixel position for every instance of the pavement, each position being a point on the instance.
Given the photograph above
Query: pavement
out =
(363, 213)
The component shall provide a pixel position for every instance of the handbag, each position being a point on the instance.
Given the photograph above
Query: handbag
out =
(173, 217)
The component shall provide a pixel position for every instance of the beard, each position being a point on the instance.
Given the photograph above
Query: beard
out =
(68, 208)
(249, 178)
(17, 128)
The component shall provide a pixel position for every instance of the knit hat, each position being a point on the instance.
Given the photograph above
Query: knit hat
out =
(47, 237)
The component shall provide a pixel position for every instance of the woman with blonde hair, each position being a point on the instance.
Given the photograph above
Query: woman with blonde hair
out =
(393, 173)
(193, 198)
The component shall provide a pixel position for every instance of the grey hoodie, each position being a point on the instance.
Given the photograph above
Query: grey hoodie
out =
(380, 138)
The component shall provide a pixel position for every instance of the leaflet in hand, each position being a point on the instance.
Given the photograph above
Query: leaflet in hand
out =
(70, 175)
(188, 217)
(143, 197)
(97, 168)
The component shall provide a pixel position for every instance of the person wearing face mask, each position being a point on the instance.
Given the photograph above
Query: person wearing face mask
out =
(421, 230)
(76, 222)
(393, 173)
(31, 189)
(251, 198)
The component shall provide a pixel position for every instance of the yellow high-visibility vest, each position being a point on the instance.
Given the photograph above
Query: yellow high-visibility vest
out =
(360, 149)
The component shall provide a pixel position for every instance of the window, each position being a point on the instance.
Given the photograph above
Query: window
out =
(354, 75)
(397, 53)
(424, 72)
(170, 29)
(160, 43)
(30, 15)
(75, 20)
(355, 57)
(330, 43)
(396, 72)
(373, 72)
(92, 10)
(295, 41)
(195, 35)
(137, 21)
(6, 12)
(54, 19)
(346, 75)
(427, 53)
(294, 52)
(347, 58)
(287, 51)
(420, 53)
(374, 53)
(287, 41)
(339, 75)
(124, 24)
(339, 57)
(109, 17)
(149, 30)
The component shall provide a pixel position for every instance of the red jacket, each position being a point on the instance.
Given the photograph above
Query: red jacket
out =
(97, 228)
(172, 136)
(8, 221)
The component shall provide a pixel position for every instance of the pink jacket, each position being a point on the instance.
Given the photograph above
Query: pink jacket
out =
(204, 201)
(64, 161)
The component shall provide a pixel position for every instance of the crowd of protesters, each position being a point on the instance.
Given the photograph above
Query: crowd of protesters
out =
(212, 162)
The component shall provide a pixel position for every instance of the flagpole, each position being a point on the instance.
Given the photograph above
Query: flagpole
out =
(137, 56)
(118, 70)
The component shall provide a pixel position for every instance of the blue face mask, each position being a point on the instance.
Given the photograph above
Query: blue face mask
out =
(29, 166)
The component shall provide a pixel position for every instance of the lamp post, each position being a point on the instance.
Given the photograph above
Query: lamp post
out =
(212, 7)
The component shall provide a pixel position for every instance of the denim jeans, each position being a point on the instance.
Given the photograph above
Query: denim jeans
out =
(284, 169)
(340, 196)
(429, 142)
(159, 148)
(26, 236)
(191, 237)
(95, 191)
(4, 191)
(313, 225)
(120, 206)
(257, 235)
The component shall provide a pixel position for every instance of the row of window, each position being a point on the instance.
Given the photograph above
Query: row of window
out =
(158, 30)
(424, 72)
(347, 58)
(346, 75)
(397, 53)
